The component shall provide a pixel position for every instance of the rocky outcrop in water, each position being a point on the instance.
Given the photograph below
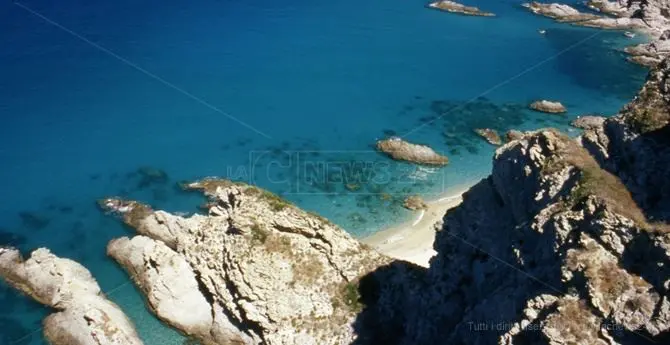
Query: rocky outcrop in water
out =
(454, 7)
(588, 121)
(491, 135)
(84, 316)
(561, 12)
(548, 107)
(415, 203)
(400, 149)
(649, 16)
(256, 269)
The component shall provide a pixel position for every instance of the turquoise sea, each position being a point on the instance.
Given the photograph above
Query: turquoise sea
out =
(128, 98)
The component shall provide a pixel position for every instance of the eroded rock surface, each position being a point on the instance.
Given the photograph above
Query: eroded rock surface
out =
(84, 315)
(256, 269)
(491, 135)
(588, 121)
(635, 144)
(548, 107)
(400, 149)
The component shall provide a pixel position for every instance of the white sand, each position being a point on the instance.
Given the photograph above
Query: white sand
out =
(413, 241)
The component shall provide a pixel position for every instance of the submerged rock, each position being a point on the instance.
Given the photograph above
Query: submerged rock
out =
(548, 107)
(491, 135)
(256, 269)
(400, 149)
(454, 7)
(84, 315)
(415, 203)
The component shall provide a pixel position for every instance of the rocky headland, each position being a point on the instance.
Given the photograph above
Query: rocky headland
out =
(651, 17)
(83, 316)
(550, 107)
(256, 269)
(566, 242)
(400, 149)
(455, 7)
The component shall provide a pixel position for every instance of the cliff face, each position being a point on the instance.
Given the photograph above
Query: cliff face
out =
(635, 145)
(550, 249)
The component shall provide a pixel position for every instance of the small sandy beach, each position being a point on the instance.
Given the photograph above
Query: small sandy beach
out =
(413, 240)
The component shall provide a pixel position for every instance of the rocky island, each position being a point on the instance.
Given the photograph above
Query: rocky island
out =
(83, 316)
(400, 149)
(454, 7)
(548, 107)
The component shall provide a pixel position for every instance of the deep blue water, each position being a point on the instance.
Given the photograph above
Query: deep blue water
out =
(129, 97)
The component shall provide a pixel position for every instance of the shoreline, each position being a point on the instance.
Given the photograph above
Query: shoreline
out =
(412, 240)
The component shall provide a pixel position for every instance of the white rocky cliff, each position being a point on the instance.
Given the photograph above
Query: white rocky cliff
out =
(84, 316)
(255, 270)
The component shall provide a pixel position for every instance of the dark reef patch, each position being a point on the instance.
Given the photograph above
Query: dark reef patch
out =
(33, 221)
(591, 60)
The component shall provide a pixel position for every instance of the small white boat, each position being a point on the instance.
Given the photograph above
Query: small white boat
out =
(542, 32)
(629, 34)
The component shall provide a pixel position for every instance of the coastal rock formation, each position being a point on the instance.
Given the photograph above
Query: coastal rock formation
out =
(256, 269)
(634, 144)
(400, 149)
(650, 16)
(454, 7)
(490, 135)
(561, 12)
(566, 242)
(548, 107)
(550, 249)
(415, 203)
(588, 121)
(513, 134)
(84, 315)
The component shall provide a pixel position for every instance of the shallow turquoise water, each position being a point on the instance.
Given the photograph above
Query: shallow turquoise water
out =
(321, 80)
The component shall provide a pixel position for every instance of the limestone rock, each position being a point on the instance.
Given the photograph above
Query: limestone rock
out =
(548, 107)
(560, 12)
(491, 135)
(414, 203)
(255, 270)
(454, 7)
(84, 315)
(588, 121)
(400, 149)
(513, 135)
